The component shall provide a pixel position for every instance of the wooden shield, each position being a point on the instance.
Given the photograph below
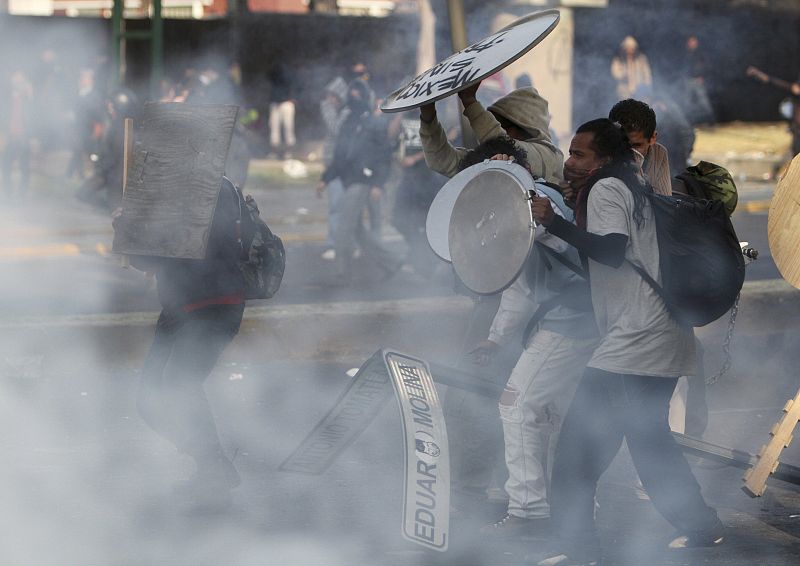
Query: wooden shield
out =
(174, 181)
(783, 226)
(475, 63)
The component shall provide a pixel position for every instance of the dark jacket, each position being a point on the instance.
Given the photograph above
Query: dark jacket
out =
(362, 153)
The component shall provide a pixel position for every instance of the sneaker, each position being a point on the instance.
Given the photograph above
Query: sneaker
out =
(511, 526)
(700, 539)
(329, 255)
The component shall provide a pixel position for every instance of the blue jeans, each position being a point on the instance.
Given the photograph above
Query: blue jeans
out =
(350, 231)
(335, 191)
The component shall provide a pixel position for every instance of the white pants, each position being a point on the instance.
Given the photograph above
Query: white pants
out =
(281, 115)
(532, 407)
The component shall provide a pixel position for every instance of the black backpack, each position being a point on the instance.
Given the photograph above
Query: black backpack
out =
(701, 261)
(263, 257)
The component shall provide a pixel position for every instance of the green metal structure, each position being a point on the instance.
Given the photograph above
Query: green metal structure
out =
(155, 35)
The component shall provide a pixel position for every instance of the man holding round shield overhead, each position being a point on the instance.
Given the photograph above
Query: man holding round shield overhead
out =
(550, 300)
(523, 116)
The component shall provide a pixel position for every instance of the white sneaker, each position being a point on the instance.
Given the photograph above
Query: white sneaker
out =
(329, 255)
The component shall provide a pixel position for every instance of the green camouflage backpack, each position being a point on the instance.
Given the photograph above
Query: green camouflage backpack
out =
(709, 181)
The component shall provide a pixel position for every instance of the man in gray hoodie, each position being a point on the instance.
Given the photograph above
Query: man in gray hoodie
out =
(522, 114)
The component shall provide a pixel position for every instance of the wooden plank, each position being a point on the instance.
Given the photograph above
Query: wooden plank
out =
(173, 182)
(783, 225)
(756, 477)
(127, 149)
(126, 163)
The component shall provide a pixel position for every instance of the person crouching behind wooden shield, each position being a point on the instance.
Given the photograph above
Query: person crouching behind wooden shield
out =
(202, 306)
(522, 114)
(179, 219)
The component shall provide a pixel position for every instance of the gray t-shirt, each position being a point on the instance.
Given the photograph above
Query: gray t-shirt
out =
(638, 335)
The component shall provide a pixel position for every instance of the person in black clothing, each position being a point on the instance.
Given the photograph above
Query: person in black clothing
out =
(202, 306)
(104, 187)
(361, 160)
(415, 193)
(89, 121)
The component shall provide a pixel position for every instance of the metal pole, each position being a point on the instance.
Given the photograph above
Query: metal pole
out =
(156, 50)
(458, 27)
(458, 39)
(117, 23)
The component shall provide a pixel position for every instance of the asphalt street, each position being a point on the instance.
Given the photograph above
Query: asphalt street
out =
(86, 483)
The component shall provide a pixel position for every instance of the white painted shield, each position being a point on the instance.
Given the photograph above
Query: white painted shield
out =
(491, 231)
(437, 224)
(475, 63)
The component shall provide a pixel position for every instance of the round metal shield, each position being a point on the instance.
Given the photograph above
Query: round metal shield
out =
(475, 63)
(437, 224)
(491, 231)
(783, 225)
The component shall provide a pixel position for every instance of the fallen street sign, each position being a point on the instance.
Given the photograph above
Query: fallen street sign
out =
(426, 478)
(352, 413)
(426, 502)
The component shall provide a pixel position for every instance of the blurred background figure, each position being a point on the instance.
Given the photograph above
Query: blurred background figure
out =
(53, 100)
(334, 111)
(360, 72)
(104, 187)
(281, 113)
(631, 69)
(696, 104)
(674, 132)
(18, 110)
(220, 83)
(361, 160)
(88, 126)
(413, 197)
